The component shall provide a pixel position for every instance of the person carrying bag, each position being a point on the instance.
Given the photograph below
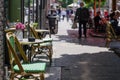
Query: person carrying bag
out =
(82, 14)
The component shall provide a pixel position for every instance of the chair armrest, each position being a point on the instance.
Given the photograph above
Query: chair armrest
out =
(40, 30)
(47, 39)
(10, 30)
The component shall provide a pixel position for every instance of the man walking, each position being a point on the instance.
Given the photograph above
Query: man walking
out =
(82, 15)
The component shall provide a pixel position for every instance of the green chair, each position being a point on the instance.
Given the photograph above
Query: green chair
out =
(24, 68)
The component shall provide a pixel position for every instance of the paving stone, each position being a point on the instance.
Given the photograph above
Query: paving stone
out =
(53, 73)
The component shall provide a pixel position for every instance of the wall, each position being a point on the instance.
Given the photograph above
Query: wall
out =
(1, 39)
(14, 10)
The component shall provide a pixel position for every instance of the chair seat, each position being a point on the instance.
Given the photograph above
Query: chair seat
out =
(47, 39)
(32, 67)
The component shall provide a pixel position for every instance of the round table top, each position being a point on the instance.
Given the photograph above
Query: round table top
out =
(26, 42)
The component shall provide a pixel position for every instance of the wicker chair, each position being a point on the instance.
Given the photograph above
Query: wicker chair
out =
(110, 35)
(45, 47)
(24, 68)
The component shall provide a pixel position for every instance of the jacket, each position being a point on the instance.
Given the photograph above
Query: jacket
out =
(82, 14)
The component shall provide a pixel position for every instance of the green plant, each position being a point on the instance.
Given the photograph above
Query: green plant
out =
(35, 25)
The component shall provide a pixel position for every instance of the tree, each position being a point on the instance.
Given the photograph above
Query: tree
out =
(113, 5)
(95, 3)
(65, 2)
(26, 2)
(91, 3)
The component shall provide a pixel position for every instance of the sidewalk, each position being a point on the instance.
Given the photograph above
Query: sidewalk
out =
(85, 59)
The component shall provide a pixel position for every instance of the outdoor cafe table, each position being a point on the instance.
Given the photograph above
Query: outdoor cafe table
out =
(25, 42)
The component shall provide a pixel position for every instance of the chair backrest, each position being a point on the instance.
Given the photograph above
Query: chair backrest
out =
(110, 34)
(110, 31)
(37, 35)
(13, 43)
(34, 33)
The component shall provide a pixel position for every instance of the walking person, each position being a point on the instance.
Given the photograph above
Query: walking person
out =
(67, 14)
(82, 15)
(97, 20)
(59, 13)
(63, 13)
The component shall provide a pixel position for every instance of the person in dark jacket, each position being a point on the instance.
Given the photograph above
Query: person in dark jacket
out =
(97, 20)
(82, 15)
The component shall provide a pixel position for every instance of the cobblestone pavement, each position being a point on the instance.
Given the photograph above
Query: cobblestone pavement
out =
(85, 59)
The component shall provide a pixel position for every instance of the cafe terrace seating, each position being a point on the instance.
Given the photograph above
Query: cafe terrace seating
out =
(24, 68)
(45, 47)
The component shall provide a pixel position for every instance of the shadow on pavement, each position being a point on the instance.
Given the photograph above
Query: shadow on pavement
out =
(89, 66)
(90, 41)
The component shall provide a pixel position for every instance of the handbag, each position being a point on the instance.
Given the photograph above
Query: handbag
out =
(74, 26)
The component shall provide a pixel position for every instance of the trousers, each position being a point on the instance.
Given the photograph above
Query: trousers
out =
(84, 28)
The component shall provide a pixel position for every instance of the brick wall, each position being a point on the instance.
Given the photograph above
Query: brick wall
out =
(1, 39)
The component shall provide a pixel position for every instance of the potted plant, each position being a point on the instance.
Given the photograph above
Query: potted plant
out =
(19, 30)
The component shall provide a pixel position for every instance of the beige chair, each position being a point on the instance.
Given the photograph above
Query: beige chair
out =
(45, 47)
(25, 69)
(110, 35)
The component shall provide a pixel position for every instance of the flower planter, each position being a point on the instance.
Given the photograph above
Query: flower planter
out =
(19, 34)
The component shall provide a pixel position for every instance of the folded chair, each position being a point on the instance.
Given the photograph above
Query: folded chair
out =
(24, 68)
(110, 35)
(45, 47)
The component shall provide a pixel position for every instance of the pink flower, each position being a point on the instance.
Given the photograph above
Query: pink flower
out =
(20, 26)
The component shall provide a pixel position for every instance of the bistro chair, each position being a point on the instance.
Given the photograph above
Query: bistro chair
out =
(40, 32)
(110, 35)
(24, 68)
(45, 47)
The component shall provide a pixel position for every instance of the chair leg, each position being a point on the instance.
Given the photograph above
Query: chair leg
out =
(12, 76)
(42, 76)
(50, 60)
(50, 54)
(107, 43)
(51, 50)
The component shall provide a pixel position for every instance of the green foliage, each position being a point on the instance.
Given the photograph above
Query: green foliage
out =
(35, 25)
(26, 2)
(75, 0)
(60, 0)
(90, 3)
(66, 2)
